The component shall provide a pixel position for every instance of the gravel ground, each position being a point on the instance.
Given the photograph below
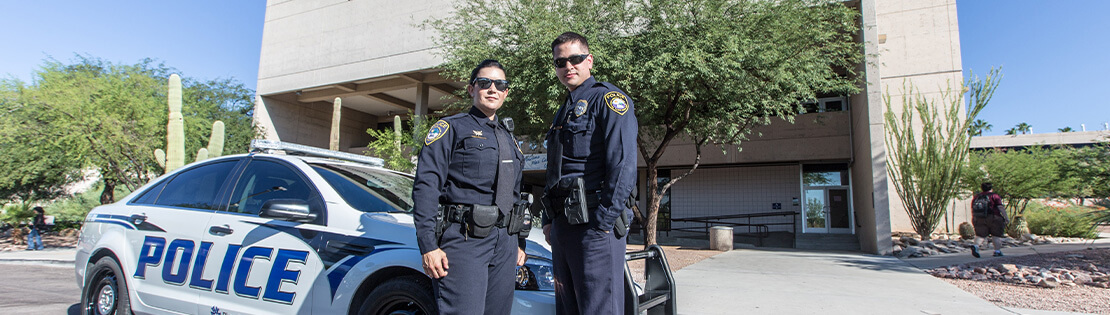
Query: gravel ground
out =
(1080, 298)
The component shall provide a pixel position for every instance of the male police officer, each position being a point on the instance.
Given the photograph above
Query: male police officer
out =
(590, 175)
(467, 181)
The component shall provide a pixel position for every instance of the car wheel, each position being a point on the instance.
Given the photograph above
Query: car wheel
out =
(400, 296)
(105, 289)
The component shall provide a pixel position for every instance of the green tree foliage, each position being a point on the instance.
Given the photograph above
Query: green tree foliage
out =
(35, 166)
(926, 164)
(1018, 175)
(1084, 172)
(110, 117)
(1023, 128)
(1066, 129)
(708, 70)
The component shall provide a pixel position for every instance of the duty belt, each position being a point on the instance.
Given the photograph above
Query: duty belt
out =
(456, 213)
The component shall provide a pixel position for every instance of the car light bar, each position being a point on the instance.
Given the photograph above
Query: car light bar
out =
(269, 146)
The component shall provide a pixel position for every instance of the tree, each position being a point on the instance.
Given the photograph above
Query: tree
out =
(978, 127)
(110, 117)
(35, 167)
(1066, 129)
(926, 165)
(706, 71)
(1084, 172)
(1018, 176)
(1023, 128)
(1011, 131)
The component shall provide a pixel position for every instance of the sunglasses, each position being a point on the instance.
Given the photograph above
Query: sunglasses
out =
(484, 83)
(574, 60)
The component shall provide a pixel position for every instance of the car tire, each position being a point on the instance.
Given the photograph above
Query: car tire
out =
(105, 289)
(403, 295)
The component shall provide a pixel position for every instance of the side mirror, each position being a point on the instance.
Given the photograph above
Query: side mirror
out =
(295, 210)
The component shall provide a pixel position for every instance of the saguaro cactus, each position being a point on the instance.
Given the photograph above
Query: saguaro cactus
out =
(174, 156)
(336, 110)
(397, 132)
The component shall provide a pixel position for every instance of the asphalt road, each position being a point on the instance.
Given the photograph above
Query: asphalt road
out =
(38, 289)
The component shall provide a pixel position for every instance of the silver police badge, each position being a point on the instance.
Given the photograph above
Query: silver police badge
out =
(580, 107)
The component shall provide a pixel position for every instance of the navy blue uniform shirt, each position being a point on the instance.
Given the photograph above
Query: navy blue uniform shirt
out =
(597, 127)
(458, 165)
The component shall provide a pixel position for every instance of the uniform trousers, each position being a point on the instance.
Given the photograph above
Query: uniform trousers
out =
(589, 269)
(481, 275)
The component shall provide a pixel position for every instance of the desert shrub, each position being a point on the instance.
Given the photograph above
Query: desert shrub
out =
(967, 231)
(1072, 221)
(70, 212)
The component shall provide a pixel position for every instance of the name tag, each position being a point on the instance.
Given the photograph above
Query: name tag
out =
(506, 161)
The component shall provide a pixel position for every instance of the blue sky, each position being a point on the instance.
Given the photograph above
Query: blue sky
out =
(1054, 54)
(204, 39)
(1055, 59)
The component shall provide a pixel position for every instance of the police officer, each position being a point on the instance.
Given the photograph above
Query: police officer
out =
(593, 137)
(469, 174)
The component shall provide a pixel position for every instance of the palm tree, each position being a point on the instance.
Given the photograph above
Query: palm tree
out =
(1024, 128)
(1066, 129)
(978, 127)
(1011, 131)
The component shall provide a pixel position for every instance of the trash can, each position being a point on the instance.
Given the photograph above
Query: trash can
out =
(720, 238)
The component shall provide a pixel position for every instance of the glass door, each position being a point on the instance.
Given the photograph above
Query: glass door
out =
(827, 204)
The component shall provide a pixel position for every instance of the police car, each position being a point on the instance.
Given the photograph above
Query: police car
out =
(267, 233)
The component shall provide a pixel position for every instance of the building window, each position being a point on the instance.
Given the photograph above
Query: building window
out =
(826, 104)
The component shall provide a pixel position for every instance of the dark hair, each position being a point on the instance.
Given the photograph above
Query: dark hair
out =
(38, 209)
(986, 186)
(570, 37)
(485, 64)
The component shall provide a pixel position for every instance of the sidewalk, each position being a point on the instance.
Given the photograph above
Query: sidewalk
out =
(55, 257)
(786, 281)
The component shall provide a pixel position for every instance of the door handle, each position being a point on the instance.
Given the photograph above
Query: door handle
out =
(138, 218)
(220, 230)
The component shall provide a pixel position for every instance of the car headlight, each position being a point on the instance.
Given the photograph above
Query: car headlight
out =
(537, 274)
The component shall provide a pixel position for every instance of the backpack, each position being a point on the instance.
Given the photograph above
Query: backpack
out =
(981, 205)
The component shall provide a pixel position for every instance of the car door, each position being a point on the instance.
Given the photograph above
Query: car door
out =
(169, 223)
(266, 264)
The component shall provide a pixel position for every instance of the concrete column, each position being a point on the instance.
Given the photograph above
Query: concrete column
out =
(421, 106)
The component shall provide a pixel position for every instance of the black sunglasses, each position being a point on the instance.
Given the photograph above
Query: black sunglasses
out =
(484, 83)
(574, 60)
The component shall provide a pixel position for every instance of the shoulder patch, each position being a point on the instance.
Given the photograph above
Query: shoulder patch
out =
(616, 102)
(580, 107)
(438, 130)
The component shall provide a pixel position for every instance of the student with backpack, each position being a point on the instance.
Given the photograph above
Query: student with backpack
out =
(989, 219)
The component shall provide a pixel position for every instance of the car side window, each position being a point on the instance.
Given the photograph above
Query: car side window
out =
(150, 195)
(267, 180)
(197, 187)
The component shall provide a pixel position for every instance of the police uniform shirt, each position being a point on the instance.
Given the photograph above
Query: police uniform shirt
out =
(458, 165)
(597, 128)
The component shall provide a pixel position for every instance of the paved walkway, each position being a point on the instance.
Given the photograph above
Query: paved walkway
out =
(784, 281)
(768, 281)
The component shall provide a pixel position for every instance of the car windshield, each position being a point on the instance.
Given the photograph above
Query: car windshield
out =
(367, 189)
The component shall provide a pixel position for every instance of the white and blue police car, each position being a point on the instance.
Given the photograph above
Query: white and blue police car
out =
(324, 233)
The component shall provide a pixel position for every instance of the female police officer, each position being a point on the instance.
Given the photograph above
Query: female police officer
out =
(468, 176)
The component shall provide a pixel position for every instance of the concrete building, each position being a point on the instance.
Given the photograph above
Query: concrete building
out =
(832, 161)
